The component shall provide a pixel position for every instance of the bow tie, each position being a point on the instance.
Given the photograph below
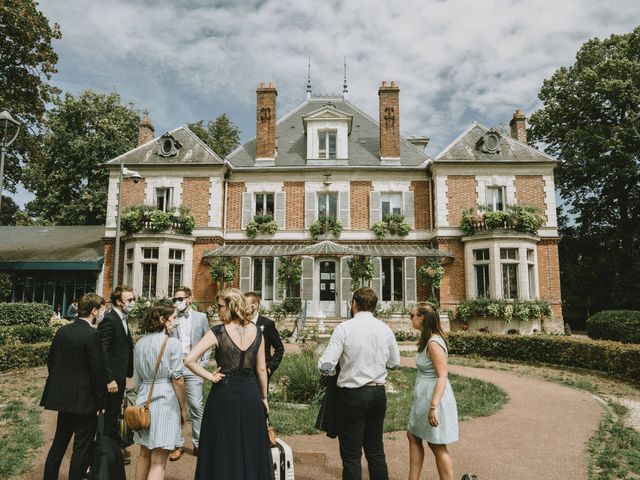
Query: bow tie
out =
(182, 314)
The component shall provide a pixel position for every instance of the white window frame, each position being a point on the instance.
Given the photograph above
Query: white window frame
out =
(167, 197)
(324, 136)
(477, 263)
(491, 202)
(532, 274)
(173, 263)
(507, 262)
(152, 262)
(392, 261)
(328, 203)
(389, 198)
(265, 196)
(264, 292)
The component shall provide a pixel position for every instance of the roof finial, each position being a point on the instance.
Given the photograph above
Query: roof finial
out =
(309, 80)
(345, 88)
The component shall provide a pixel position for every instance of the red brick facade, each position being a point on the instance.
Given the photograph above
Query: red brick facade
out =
(132, 193)
(294, 198)
(266, 121)
(389, 120)
(195, 196)
(452, 287)
(461, 194)
(549, 275)
(359, 204)
(204, 288)
(530, 191)
(234, 205)
(421, 209)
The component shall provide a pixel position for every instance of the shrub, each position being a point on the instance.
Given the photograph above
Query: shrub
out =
(504, 309)
(519, 218)
(23, 356)
(261, 223)
(324, 224)
(606, 356)
(391, 223)
(619, 325)
(26, 334)
(6, 286)
(16, 313)
(297, 378)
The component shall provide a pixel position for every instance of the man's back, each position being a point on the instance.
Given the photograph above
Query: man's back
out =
(117, 347)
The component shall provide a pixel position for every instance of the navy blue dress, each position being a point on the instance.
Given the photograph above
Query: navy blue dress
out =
(234, 444)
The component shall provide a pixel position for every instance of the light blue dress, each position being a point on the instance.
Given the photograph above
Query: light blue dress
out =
(447, 430)
(165, 431)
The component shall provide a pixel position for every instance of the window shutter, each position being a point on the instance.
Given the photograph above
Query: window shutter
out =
(247, 209)
(375, 208)
(343, 214)
(345, 280)
(376, 281)
(245, 274)
(408, 209)
(307, 278)
(277, 296)
(310, 201)
(410, 279)
(280, 209)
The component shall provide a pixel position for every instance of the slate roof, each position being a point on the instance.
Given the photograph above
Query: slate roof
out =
(463, 149)
(364, 141)
(193, 151)
(52, 244)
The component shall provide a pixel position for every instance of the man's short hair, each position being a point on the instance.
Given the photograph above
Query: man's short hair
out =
(253, 296)
(117, 293)
(88, 302)
(366, 299)
(182, 288)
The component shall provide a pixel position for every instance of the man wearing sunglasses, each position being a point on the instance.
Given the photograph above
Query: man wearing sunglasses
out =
(192, 327)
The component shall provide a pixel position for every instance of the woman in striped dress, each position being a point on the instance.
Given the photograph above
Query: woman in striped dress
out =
(168, 399)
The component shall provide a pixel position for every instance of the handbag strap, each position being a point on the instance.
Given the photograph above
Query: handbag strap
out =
(164, 344)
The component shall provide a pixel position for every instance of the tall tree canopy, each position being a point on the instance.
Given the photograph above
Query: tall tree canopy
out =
(27, 63)
(83, 132)
(221, 134)
(587, 122)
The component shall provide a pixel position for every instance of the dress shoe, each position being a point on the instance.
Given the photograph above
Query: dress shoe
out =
(176, 454)
(195, 451)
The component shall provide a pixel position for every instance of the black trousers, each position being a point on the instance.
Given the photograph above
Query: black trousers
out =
(113, 407)
(84, 429)
(360, 419)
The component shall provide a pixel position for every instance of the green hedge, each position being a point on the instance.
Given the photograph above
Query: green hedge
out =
(15, 313)
(26, 334)
(23, 356)
(619, 325)
(619, 359)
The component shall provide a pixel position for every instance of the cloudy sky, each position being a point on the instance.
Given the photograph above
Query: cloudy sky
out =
(455, 61)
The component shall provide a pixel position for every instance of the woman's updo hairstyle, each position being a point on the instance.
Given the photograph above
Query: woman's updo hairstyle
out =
(237, 307)
(428, 312)
(151, 322)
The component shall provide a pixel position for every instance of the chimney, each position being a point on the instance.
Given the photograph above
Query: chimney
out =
(145, 130)
(518, 126)
(389, 120)
(266, 121)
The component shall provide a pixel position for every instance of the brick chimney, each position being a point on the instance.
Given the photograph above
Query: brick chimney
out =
(389, 120)
(266, 121)
(518, 126)
(145, 130)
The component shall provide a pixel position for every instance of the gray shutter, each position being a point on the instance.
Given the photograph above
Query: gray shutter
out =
(375, 208)
(310, 201)
(247, 210)
(345, 280)
(245, 274)
(343, 206)
(307, 278)
(408, 209)
(376, 281)
(280, 209)
(276, 294)
(410, 279)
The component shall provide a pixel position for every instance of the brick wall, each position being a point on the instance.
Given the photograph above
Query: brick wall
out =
(107, 275)
(389, 120)
(132, 193)
(195, 196)
(234, 205)
(530, 191)
(452, 287)
(423, 291)
(549, 277)
(266, 122)
(359, 200)
(294, 197)
(461, 194)
(204, 288)
(422, 214)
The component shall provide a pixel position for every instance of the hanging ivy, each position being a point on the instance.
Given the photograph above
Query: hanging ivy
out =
(289, 273)
(222, 270)
(361, 270)
(430, 274)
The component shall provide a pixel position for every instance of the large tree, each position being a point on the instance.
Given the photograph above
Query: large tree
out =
(27, 63)
(221, 134)
(587, 121)
(83, 132)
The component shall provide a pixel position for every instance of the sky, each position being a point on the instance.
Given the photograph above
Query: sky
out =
(455, 62)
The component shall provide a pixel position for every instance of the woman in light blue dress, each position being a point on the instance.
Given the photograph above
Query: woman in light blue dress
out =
(434, 414)
(168, 399)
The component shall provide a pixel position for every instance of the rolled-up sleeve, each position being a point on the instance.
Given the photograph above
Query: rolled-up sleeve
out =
(394, 352)
(331, 356)
(175, 358)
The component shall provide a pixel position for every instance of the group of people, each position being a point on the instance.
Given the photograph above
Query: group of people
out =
(89, 366)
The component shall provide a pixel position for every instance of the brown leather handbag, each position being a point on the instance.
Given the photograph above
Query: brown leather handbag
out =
(139, 417)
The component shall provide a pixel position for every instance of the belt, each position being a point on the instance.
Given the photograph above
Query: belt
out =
(374, 384)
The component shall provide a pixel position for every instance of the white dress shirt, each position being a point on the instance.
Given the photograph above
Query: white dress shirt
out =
(184, 332)
(124, 322)
(365, 347)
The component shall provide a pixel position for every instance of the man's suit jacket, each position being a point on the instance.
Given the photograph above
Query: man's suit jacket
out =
(199, 327)
(117, 346)
(76, 371)
(271, 340)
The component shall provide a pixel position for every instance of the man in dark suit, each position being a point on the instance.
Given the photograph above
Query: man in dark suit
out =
(117, 346)
(75, 388)
(271, 336)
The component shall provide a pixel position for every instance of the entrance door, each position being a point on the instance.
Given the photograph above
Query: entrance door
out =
(328, 284)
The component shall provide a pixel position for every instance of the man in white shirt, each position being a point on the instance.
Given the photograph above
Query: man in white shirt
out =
(364, 347)
(192, 327)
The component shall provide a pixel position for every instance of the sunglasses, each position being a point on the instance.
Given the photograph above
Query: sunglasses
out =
(178, 299)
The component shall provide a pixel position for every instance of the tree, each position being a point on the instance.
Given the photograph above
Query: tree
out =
(69, 182)
(221, 134)
(587, 122)
(8, 216)
(27, 63)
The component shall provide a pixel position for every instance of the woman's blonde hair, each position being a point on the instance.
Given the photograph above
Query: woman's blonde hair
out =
(237, 307)
(430, 323)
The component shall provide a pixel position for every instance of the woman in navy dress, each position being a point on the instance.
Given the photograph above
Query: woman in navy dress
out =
(234, 444)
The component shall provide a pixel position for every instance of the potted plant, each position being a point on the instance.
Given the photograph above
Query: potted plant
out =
(430, 274)
(261, 223)
(222, 270)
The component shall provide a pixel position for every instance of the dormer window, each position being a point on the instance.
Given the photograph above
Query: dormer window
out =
(169, 146)
(489, 142)
(327, 130)
(327, 144)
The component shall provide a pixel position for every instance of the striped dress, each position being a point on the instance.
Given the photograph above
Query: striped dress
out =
(165, 430)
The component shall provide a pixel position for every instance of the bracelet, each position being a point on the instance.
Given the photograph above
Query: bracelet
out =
(433, 407)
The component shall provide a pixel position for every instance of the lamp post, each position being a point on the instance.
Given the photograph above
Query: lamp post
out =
(124, 172)
(9, 128)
